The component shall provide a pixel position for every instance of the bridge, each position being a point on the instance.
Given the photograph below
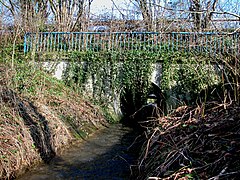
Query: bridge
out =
(208, 43)
(119, 64)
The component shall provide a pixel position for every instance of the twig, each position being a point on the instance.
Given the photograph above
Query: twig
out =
(226, 174)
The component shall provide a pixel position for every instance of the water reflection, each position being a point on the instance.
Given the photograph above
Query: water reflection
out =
(103, 156)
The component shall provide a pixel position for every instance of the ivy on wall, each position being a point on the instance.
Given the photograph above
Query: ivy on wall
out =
(187, 78)
(111, 74)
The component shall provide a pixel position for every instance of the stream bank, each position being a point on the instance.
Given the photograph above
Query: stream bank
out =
(105, 155)
(40, 117)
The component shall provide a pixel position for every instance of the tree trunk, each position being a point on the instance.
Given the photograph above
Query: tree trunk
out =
(146, 13)
(196, 15)
(200, 18)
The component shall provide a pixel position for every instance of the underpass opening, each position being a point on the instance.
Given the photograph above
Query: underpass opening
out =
(113, 57)
(140, 109)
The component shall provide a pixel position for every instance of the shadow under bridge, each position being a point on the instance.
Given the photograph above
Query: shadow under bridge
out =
(123, 46)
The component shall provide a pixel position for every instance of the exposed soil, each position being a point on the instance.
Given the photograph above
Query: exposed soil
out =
(35, 128)
(188, 144)
(104, 155)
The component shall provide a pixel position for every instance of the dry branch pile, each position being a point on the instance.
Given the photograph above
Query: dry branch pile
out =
(187, 145)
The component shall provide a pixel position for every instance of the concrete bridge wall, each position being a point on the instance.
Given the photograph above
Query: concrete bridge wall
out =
(57, 69)
(172, 99)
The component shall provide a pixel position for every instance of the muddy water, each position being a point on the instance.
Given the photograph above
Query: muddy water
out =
(102, 156)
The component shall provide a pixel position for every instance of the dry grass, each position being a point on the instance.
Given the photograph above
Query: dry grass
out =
(186, 145)
(36, 126)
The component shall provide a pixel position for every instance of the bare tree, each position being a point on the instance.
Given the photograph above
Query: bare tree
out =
(34, 11)
(31, 14)
(147, 14)
(196, 15)
(34, 15)
(68, 14)
(202, 15)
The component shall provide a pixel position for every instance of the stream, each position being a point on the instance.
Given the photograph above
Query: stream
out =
(105, 155)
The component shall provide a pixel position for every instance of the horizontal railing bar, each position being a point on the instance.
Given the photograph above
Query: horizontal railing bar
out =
(135, 32)
(202, 42)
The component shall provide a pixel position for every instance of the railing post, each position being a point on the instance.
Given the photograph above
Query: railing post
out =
(208, 43)
(25, 43)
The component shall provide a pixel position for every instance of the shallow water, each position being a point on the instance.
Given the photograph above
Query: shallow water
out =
(102, 156)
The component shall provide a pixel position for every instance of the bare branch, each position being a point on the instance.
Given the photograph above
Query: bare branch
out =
(10, 8)
(118, 8)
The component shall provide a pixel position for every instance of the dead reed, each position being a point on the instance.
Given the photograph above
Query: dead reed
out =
(39, 119)
(186, 145)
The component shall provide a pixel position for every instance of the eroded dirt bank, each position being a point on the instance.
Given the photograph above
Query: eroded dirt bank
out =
(38, 120)
(104, 155)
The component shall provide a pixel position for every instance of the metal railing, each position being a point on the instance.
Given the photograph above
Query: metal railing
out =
(209, 43)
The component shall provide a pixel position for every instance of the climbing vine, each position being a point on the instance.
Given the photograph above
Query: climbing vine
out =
(112, 75)
(187, 78)
(109, 75)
